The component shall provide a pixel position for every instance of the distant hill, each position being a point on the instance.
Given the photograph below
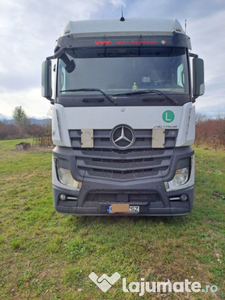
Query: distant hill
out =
(9, 120)
(39, 121)
(4, 117)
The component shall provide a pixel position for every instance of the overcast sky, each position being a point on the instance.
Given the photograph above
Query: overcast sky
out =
(29, 28)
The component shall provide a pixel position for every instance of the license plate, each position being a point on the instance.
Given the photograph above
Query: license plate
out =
(123, 208)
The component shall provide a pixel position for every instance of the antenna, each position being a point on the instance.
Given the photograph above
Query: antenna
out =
(122, 19)
(185, 25)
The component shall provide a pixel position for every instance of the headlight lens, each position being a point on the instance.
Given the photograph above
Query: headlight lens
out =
(65, 177)
(181, 177)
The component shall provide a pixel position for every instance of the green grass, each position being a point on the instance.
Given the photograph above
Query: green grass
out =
(45, 255)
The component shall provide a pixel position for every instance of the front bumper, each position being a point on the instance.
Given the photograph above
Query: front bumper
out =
(150, 194)
(154, 202)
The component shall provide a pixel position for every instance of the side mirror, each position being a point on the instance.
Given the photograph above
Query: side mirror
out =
(198, 77)
(47, 79)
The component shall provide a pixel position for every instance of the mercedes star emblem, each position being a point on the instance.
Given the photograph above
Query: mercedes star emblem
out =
(123, 137)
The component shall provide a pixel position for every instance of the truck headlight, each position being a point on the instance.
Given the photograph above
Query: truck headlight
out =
(181, 177)
(65, 177)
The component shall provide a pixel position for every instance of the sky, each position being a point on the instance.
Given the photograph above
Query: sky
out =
(29, 28)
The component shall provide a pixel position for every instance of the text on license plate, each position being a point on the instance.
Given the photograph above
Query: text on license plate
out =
(123, 208)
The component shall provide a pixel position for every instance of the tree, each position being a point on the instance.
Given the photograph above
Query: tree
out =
(20, 118)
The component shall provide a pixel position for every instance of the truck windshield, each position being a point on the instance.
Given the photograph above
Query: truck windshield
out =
(118, 71)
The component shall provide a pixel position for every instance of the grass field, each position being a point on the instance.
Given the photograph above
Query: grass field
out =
(45, 255)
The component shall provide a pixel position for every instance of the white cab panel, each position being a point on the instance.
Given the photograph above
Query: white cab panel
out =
(72, 118)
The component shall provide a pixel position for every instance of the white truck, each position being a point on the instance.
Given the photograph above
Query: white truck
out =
(123, 117)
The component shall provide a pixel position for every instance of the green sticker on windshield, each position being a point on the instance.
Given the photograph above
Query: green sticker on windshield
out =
(168, 116)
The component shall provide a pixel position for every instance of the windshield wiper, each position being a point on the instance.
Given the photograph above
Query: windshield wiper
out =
(91, 90)
(158, 92)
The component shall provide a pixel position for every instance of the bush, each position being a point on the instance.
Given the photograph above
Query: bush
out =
(10, 131)
(210, 132)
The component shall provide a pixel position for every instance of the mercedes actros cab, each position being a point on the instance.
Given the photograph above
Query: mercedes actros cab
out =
(123, 117)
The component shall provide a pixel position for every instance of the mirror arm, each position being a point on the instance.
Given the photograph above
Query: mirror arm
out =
(51, 100)
(56, 55)
(193, 55)
(193, 99)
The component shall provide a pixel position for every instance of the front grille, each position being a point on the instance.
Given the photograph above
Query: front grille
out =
(143, 139)
(136, 197)
(105, 160)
